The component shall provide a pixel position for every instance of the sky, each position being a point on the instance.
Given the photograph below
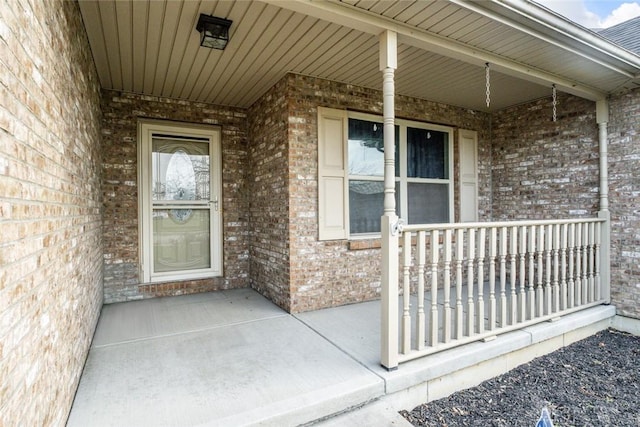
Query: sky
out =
(595, 13)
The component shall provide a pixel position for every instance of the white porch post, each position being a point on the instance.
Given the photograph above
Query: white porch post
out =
(389, 292)
(602, 118)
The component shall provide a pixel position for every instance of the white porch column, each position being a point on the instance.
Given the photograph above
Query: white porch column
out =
(602, 118)
(389, 292)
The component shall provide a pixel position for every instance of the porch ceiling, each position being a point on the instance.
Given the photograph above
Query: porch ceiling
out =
(152, 47)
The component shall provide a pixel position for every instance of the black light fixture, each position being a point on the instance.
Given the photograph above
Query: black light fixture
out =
(214, 31)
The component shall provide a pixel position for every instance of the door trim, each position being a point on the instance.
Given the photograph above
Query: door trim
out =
(146, 129)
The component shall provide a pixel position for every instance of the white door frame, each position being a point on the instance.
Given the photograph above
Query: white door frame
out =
(203, 133)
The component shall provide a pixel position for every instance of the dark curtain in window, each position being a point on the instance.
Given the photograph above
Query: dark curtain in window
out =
(426, 154)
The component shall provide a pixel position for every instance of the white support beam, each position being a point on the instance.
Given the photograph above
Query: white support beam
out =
(390, 239)
(389, 321)
(388, 50)
(602, 118)
(388, 65)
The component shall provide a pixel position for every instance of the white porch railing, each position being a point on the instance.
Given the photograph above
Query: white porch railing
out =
(472, 281)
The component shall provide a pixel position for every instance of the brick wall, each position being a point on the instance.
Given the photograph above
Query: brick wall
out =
(50, 209)
(624, 201)
(331, 273)
(278, 246)
(544, 169)
(269, 177)
(121, 112)
(524, 174)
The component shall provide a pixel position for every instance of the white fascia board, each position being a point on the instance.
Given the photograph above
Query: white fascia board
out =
(372, 23)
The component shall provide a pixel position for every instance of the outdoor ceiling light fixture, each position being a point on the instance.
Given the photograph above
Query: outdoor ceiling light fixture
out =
(214, 31)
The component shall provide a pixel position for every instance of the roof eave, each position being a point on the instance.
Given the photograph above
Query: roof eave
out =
(573, 35)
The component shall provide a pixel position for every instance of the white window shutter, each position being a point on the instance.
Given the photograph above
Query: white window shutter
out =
(332, 174)
(468, 146)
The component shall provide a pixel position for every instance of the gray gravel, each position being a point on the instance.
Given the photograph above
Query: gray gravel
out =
(593, 382)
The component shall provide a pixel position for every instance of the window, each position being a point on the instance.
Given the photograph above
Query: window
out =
(365, 156)
(180, 212)
(424, 164)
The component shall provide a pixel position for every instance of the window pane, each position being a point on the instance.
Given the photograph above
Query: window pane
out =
(428, 203)
(180, 239)
(366, 148)
(180, 169)
(427, 154)
(366, 205)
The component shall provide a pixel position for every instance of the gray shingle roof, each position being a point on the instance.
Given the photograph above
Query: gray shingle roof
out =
(625, 34)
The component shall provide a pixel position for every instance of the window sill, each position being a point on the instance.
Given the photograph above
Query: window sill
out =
(362, 244)
(376, 243)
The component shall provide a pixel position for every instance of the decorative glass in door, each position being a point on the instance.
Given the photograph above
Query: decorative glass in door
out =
(180, 213)
(181, 208)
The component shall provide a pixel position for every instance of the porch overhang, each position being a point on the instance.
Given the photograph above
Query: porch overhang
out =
(528, 46)
(411, 35)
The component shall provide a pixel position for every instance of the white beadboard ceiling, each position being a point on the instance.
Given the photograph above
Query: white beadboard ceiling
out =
(152, 47)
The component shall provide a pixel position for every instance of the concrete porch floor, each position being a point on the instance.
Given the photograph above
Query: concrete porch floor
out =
(232, 358)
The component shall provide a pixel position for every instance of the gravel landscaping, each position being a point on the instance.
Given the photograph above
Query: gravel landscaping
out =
(593, 382)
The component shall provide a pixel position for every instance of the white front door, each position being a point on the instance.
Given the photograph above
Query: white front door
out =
(181, 209)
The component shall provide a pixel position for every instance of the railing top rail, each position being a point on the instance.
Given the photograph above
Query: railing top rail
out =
(499, 224)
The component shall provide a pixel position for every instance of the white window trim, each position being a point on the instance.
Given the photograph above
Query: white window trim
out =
(404, 209)
(146, 128)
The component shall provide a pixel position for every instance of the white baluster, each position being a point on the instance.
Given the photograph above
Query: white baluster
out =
(540, 283)
(586, 281)
(578, 290)
(481, 254)
(590, 278)
(556, 268)
(446, 327)
(547, 283)
(406, 293)
(563, 268)
(531, 294)
(572, 282)
(459, 256)
(503, 276)
(598, 237)
(421, 255)
(492, 277)
(471, 249)
(435, 251)
(513, 256)
(522, 296)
